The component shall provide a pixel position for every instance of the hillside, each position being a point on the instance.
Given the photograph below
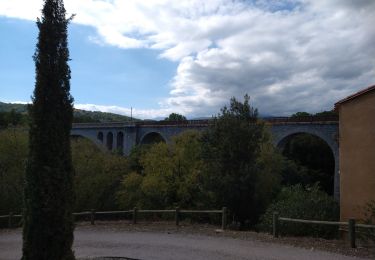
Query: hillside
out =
(7, 107)
(80, 116)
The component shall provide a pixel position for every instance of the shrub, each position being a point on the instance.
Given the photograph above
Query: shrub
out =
(303, 203)
(13, 156)
(368, 234)
(97, 176)
(168, 176)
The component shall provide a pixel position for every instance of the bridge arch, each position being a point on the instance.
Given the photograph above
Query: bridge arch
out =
(120, 142)
(109, 143)
(152, 138)
(100, 136)
(283, 134)
(92, 139)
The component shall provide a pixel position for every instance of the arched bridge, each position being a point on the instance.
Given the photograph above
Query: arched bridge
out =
(126, 135)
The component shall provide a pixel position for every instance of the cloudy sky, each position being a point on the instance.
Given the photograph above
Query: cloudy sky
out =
(191, 56)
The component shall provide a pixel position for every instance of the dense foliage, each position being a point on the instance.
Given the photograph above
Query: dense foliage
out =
(167, 176)
(13, 155)
(323, 113)
(368, 234)
(12, 118)
(97, 176)
(48, 220)
(235, 171)
(83, 116)
(18, 108)
(175, 117)
(303, 203)
(314, 160)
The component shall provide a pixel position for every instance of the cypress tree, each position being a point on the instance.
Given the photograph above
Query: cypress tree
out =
(48, 222)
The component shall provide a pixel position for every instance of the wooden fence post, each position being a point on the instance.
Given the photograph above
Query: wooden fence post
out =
(92, 217)
(135, 215)
(275, 224)
(224, 218)
(352, 232)
(177, 216)
(10, 222)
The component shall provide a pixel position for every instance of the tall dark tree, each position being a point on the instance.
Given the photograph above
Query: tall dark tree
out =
(48, 222)
(232, 147)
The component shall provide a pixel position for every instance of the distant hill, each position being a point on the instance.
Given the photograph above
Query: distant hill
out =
(7, 107)
(80, 116)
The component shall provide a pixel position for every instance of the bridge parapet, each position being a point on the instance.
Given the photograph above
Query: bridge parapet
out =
(102, 125)
(302, 119)
(206, 122)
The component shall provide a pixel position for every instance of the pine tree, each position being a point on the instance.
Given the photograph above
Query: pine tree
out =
(48, 222)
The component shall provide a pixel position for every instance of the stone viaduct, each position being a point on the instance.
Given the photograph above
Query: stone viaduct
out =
(124, 136)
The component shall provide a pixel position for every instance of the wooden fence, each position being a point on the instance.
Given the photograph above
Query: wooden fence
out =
(351, 224)
(92, 215)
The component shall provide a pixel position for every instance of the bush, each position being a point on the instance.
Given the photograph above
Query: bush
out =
(97, 176)
(303, 203)
(165, 176)
(368, 234)
(13, 156)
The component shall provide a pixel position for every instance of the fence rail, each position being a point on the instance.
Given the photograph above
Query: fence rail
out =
(351, 224)
(92, 214)
(313, 221)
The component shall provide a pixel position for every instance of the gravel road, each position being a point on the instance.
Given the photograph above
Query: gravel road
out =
(93, 242)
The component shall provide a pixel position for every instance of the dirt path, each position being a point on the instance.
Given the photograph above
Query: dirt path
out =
(158, 242)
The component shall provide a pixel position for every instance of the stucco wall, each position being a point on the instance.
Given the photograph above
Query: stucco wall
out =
(357, 155)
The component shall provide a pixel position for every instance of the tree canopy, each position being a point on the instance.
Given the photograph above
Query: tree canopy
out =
(232, 150)
(175, 117)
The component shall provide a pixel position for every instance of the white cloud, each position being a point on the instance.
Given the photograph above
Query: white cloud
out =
(289, 55)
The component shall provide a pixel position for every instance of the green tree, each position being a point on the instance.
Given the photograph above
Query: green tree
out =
(48, 220)
(232, 147)
(3, 121)
(170, 175)
(175, 117)
(97, 175)
(327, 113)
(12, 118)
(301, 114)
(13, 155)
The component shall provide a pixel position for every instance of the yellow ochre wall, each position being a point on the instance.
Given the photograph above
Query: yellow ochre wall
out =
(357, 155)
